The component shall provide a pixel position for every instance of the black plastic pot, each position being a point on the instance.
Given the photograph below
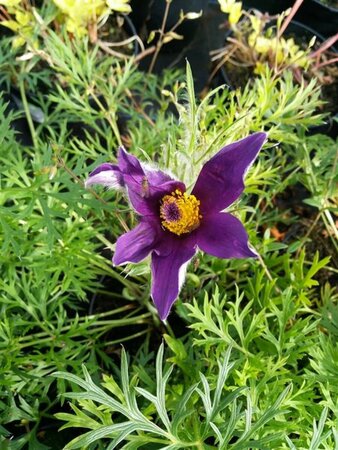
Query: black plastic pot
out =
(313, 13)
(187, 29)
(321, 17)
(130, 29)
(270, 6)
(124, 23)
(139, 13)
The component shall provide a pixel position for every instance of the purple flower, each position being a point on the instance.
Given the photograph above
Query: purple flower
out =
(174, 224)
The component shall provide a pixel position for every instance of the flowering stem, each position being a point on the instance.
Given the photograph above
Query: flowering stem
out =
(160, 41)
(146, 52)
(288, 19)
(5, 15)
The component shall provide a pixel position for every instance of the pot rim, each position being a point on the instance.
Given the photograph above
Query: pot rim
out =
(132, 31)
(326, 7)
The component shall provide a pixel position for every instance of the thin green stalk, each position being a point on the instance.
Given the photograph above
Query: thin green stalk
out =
(112, 121)
(99, 327)
(126, 338)
(268, 274)
(81, 320)
(27, 112)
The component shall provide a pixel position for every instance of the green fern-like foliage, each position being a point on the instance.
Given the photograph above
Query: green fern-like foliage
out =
(204, 412)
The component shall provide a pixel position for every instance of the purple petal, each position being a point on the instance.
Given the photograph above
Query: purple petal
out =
(136, 244)
(106, 174)
(223, 236)
(104, 167)
(220, 181)
(168, 267)
(145, 186)
(128, 163)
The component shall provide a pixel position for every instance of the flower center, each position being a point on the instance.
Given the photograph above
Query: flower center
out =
(180, 212)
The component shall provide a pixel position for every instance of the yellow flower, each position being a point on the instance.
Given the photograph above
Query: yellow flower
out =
(262, 44)
(256, 24)
(233, 8)
(76, 27)
(10, 3)
(24, 18)
(11, 24)
(295, 54)
(119, 5)
(81, 10)
(235, 13)
(18, 41)
(279, 49)
(260, 68)
(23, 26)
(79, 13)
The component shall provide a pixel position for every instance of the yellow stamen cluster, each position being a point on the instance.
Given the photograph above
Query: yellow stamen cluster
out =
(187, 217)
